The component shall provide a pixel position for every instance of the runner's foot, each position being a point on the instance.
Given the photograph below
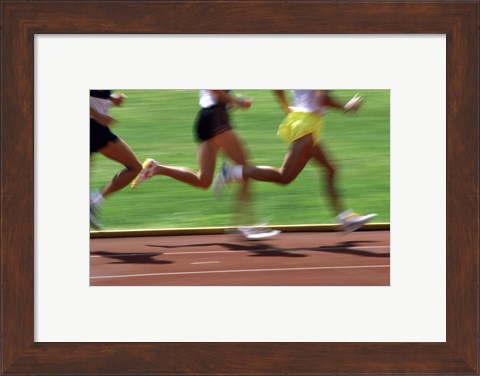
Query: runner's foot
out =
(350, 221)
(146, 173)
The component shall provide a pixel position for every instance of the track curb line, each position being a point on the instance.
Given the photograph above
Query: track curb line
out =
(224, 230)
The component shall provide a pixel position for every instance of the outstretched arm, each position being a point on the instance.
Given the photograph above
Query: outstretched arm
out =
(228, 99)
(352, 105)
(329, 101)
(282, 100)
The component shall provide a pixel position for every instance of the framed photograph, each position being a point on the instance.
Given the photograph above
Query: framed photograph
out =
(50, 51)
(239, 233)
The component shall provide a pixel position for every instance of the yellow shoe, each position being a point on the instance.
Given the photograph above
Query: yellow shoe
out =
(145, 174)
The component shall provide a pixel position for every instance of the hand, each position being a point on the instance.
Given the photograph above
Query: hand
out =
(244, 103)
(105, 120)
(353, 104)
(117, 99)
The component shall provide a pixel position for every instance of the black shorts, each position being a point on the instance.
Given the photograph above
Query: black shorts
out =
(100, 136)
(210, 122)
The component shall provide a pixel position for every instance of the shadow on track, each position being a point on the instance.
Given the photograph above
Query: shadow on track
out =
(349, 248)
(267, 250)
(137, 258)
(260, 249)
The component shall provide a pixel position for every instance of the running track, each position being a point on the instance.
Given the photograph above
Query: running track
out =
(291, 259)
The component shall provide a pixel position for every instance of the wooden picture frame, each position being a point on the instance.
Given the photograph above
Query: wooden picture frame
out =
(458, 20)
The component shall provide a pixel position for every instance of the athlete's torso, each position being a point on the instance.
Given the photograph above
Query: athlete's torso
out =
(100, 101)
(307, 101)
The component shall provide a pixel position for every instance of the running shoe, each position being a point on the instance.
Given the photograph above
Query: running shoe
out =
(223, 178)
(146, 173)
(94, 220)
(350, 221)
(258, 233)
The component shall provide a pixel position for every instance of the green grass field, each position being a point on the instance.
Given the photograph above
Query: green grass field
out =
(159, 124)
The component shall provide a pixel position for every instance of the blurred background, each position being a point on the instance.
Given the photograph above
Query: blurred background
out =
(159, 124)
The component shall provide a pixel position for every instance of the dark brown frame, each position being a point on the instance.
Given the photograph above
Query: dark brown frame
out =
(21, 20)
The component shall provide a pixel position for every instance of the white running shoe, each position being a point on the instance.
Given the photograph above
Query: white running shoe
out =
(146, 173)
(350, 221)
(257, 233)
(222, 179)
(94, 220)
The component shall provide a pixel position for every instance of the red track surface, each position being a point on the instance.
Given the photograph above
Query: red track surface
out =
(291, 259)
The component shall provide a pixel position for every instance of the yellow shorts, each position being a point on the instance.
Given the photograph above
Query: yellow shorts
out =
(299, 124)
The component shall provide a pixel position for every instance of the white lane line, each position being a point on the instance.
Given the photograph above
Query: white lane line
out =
(205, 262)
(242, 271)
(229, 251)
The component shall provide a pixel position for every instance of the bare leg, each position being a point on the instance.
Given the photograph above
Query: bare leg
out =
(207, 155)
(120, 152)
(295, 160)
(232, 147)
(207, 160)
(318, 154)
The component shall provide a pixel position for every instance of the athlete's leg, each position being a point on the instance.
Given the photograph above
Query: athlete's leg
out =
(207, 155)
(207, 160)
(233, 148)
(319, 156)
(120, 152)
(295, 160)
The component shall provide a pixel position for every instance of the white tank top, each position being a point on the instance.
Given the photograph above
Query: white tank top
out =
(208, 99)
(307, 101)
(100, 105)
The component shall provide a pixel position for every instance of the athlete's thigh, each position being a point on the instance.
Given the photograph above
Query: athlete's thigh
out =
(297, 157)
(120, 152)
(320, 156)
(207, 160)
(232, 146)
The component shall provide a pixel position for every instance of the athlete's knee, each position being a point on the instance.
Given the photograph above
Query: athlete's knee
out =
(136, 167)
(204, 183)
(286, 178)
